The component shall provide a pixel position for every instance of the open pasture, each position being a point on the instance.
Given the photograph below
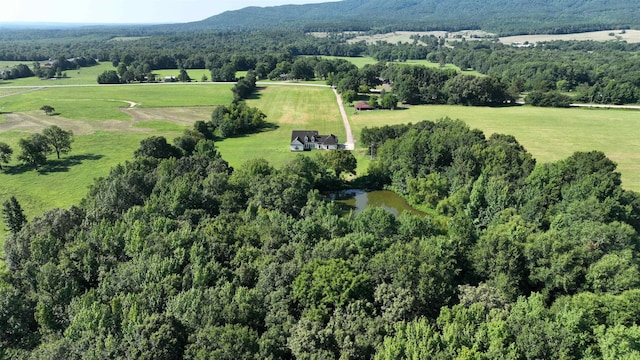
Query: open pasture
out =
(103, 102)
(549, 134)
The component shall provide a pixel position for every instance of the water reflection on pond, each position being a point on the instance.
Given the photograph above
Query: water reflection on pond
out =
(358, 200)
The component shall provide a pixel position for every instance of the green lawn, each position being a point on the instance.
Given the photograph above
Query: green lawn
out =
(65, 182)
(93, 154)
(194, 74)
(290, 108)
(549, 134)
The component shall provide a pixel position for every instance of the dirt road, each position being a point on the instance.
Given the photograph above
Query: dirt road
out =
(349, 144)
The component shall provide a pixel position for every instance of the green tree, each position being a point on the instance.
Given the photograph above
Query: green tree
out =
(389, 102)
(47, 109)
(109, 77)
(413, 340)
(34, 150)
(340, 161)
(59, 139)
(157, 147)
(5, 153)
(13, 215)
(349, 96)
(183, 76)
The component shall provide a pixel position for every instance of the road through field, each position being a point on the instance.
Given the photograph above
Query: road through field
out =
(349, 144)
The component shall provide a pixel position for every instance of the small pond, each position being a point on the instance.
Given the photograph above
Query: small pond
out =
(358, 200)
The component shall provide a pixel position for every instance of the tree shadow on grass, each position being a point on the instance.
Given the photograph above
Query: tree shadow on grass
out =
(256, 95)
(65, 163)
(53, 165)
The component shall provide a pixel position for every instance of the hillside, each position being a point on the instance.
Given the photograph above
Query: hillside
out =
(501, 16)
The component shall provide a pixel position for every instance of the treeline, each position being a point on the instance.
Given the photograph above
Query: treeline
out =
(596, 72)
(418, 84)
(177, 255)
(599, 72)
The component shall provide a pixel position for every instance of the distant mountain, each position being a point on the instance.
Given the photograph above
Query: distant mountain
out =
(502, 16)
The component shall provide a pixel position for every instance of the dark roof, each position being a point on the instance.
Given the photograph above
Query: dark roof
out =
(302, 133)
(330, 140)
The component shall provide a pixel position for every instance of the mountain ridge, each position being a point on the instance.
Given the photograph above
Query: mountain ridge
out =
(501, 16)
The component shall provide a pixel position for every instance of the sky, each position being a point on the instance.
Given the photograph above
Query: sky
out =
(126, 11)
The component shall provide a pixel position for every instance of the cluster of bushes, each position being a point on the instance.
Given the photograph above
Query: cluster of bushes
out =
(17, 72)
(548, 99)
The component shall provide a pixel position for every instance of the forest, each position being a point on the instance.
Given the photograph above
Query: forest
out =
(586, 71)
(177, 255)
(515, 17)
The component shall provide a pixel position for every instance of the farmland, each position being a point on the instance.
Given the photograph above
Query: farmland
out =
(108, 130)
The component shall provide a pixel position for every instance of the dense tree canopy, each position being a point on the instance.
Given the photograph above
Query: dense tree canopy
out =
(184, 257)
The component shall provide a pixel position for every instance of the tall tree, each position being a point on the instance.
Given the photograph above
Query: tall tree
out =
(34, 150)
(5, 153)
(59, 139)
(13, 215)
(340, 161)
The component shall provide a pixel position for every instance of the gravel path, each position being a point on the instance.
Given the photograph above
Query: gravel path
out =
(349, 144)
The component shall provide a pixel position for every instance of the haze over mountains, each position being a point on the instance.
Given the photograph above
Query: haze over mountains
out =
(502, 16)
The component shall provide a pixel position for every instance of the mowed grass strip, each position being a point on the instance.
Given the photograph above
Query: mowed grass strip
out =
(289, 108)
(549, 134)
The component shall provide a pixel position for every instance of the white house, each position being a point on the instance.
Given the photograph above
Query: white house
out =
(303, 140)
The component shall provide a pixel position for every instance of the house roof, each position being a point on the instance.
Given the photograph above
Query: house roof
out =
(302, 133)
(330, 140)
(311, 136)
(363, 105)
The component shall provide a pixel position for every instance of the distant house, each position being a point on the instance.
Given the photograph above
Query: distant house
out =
(363, 105)
(303, 140)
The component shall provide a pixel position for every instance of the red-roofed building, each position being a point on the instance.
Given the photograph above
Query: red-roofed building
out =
(363, 105)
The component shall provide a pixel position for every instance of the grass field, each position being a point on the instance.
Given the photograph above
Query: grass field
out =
(549, 134)
(290, 108)
(103, 102)
(86, 75)
(365, 60)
